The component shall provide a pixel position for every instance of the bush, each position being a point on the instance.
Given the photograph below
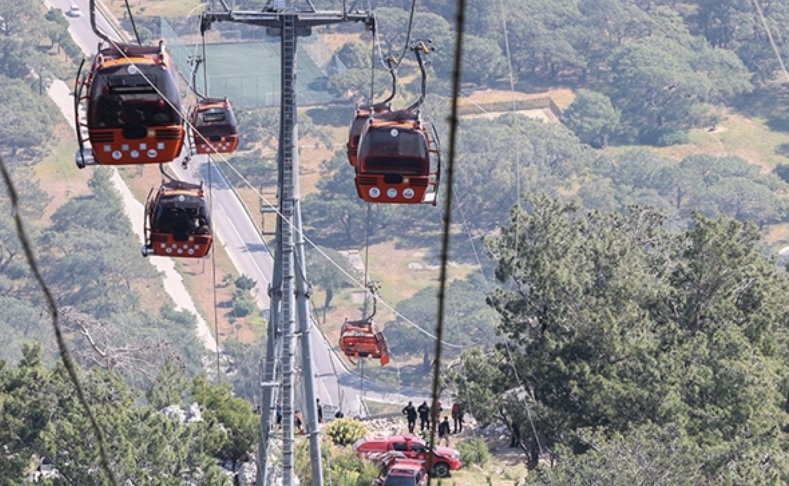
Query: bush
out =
(333, 116)
(341, 467)
(345, 431)
(782, 170)
(243, 306)
(245, 283)
(663, 138)
(473, 451)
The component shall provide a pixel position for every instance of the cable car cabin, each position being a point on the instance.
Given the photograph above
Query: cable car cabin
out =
(214, 126)
(177, 221)
(358, 339)
(398, 160)
(363, 114)
(357, 125)
(132, 106)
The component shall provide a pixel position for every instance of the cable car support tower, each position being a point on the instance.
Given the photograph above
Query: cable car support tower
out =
(289, 290)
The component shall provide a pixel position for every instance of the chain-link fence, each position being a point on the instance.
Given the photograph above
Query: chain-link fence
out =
(249, 72)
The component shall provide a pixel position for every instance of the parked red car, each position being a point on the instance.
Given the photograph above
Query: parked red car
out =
(404, 472)
(445, 459)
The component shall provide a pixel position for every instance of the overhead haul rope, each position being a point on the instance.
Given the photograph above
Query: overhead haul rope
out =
(65, 355)
(507, 344)
(203, 60)
(272, 206)
(770, 37)
(453, 124)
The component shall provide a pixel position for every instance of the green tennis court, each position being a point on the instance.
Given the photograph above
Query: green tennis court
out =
(248, 72)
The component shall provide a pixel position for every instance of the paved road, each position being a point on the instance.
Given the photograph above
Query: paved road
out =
(336, 386)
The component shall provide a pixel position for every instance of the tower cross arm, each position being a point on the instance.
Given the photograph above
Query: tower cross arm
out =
(303, 19)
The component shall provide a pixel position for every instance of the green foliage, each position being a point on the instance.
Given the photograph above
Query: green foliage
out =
(335, 203)
(345, 431)
(242, 302)
(331, 271)
(245, 283)
(243, 306)
(483, 60)
(170, 386)
(340, 465)
(592, 117)
(467, 321)
(473, 451)
(28, 115)
(354, 54)
(244, 368)
(355, 84)
(614, 323)
(234, 414)
(330, 116)
(41, 416)
(508, 154)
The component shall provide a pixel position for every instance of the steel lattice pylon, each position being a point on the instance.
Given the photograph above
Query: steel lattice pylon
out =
(289, 287)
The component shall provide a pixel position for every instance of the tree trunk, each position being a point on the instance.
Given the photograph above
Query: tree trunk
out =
(328, 298)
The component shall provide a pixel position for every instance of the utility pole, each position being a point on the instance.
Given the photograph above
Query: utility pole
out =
(289, 288)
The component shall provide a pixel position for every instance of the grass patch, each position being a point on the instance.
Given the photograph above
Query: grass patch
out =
(376, 408)
(156, 8)
(57, 174)
(749, 138)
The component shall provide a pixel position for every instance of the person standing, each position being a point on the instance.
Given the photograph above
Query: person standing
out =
(320, 410)
(410, 413)
(515, 438)
(443, 432)
(457, 418)
(424, 416)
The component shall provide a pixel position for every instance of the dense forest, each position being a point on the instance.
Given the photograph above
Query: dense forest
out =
(628, 316)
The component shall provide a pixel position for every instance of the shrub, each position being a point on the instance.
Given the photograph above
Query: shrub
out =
(243, 306)
(473, 451)
(245, 283)
(345, 431)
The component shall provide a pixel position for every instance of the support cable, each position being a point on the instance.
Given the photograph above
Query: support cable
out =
(68, 361)
(399, 58)
(372, 68)
(769, 33)
(213, 272)
(453, 124)
(507, 344)
(134, 25)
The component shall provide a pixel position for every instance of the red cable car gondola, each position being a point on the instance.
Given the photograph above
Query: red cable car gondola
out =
(398, 157)
(359, 339)
(132, 107)
(398, 160)
(177, 221)
(214, 126)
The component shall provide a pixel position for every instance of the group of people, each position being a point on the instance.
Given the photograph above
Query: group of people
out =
(298, 418)
(445, 429)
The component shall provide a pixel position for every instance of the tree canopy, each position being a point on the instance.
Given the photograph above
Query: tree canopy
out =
(614, 323)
